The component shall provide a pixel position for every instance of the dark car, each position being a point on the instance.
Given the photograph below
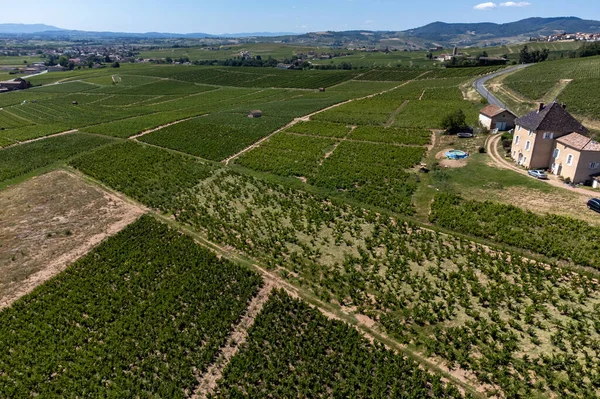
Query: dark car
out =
(538, 174)
(464, 135)
(594, 204)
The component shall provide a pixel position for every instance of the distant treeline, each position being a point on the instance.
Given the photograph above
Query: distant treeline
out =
(258, 62)
(586, 50)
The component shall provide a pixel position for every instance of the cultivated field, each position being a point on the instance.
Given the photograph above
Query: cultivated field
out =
(325, 197)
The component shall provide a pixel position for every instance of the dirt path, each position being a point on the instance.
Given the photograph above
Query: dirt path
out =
(394, 114)
(237, 338)
(165, 126)
(502, 163)
(307, 118)
(41, 138)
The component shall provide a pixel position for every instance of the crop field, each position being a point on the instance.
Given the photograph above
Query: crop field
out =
(362, 88)
(214, 137)
(486, 298)
(477, 308)
(324, 129)
(391, 135)
(396, 75)
(294, 350)
(104, 305)
(25, 158)
(372, 173)
(555, 236)
(538, 80)
(429, 113)
(251, 77)
(159, 175)
(287, 154)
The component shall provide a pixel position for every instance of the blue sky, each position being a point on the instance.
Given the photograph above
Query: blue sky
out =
(229, 16)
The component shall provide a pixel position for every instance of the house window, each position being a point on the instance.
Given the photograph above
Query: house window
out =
(556, 153)
(514, 153)
(516, 139)
(594, 165)
(528, 145)
(530, 133)
(570, 159)
(548, 135)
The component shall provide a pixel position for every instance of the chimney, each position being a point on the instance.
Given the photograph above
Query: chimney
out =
(564, 106)
(540, 107)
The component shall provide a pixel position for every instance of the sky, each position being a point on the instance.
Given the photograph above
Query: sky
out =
(234, 16)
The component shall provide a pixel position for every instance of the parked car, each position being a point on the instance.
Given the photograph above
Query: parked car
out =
(538, 174)
(464, 135)
(594, 204)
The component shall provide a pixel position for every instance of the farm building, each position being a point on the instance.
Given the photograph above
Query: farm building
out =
(550, 138)
(255, 114)
(494, 117)
(16, 84)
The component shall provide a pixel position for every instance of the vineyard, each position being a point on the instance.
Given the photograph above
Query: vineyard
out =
(552, 235)
(214, 137)
(426, 289)
(22, 159)
(140, 316)
(536, 81)
(324, 206)
(294, 350)
(150, 175)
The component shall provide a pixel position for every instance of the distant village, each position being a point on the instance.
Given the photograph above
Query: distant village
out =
(561, 37)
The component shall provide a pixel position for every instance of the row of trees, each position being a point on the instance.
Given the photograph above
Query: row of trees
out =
(527, 56)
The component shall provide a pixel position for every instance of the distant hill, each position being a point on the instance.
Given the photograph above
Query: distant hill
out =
(457, 32)
(436, 33)
(26, 28)
(52, 31)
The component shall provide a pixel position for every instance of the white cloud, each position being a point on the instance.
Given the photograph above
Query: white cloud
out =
(513, 4)
(485, 6)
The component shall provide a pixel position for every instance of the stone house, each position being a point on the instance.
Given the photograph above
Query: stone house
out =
(551, 138)
(493, 117)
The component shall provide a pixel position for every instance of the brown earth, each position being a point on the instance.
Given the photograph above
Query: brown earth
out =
(48, 222)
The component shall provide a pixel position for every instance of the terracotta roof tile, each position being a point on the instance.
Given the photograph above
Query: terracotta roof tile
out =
(579, 142)
(492, 110)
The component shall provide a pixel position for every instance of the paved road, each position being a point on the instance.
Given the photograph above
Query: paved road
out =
(480, 85)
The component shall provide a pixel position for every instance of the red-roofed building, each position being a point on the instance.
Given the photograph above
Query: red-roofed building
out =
(494, 117)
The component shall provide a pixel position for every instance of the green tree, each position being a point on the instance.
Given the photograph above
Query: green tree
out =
(63, 61)
(454, 122)
(116, 64)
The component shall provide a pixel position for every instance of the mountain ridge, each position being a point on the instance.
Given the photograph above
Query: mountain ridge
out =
(436, 32)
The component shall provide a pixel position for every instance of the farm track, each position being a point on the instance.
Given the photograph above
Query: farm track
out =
(165, 126)
(394, 114)
(354, 140)
(235, 340)
(42, 138)
(307, 118)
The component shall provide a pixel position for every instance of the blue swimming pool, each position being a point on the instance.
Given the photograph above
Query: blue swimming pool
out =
(457, 154)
